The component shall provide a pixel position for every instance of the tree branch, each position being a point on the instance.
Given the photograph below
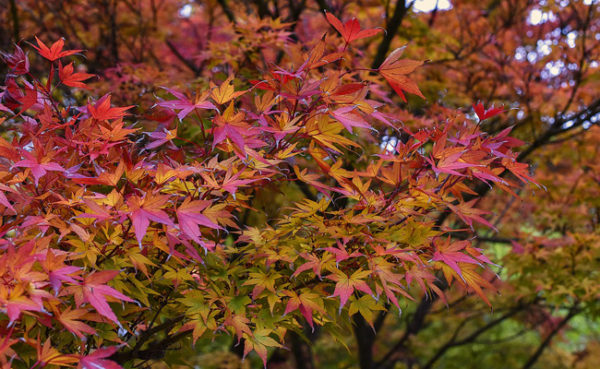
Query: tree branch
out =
(414, 326)
(188, 63)
(553, 130)
(227, 10)
(324, 6)
(365, 338)
(546, 342)
(452, 342)
(137, 353)
(390, 31)
(15, 20)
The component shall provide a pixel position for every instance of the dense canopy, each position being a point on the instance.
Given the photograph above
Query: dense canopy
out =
(302, 184)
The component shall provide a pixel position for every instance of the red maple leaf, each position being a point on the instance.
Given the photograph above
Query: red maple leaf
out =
(69, 78)
(103, 111)
(350, 31)
(3, 199)
(17, 61)
(520, 170)
(58, 271)
(29, 99)
(482, 113)
(394, 71)
(312, 262)
(450, 161)
(55, 51)
(161, 138)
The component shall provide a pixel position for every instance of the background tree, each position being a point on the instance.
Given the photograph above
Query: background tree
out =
(281, 183)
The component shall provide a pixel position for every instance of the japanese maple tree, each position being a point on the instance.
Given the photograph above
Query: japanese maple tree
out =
(263, 175)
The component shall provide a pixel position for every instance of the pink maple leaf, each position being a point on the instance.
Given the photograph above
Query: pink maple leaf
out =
(97, 359)
(184, 104)
(190, 217)
(38, 169)
(450, 254)
(349, 118)
(95, 291)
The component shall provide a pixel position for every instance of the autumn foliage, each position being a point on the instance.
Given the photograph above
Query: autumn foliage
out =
(278, 193)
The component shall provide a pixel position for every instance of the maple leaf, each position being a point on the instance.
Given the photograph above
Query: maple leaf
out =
(468, 213)
(348, 89)
(349, 118)
(94, 290)
(144, 210)
(449, 253)
(233, 132)
(470, 278)
(58, 271)
(15, 302)
(394, 71)
(230, 183)
(18, 61)
(239, 324)
(421, 275)
(115, 132)
(231, 125)
(313, 262)
(520, 170)
(5, 343)
(341, 253)
(450, 161)
(70, 320)
(390, 281)
(365, 305)
(306, 303)
(55, 51)
(97, 359)
(29, 99)
(325, 132)
(329, 58)
(345, 285)
(69, 78)
(102, 110)
(190, 217)
(3, 199)
(38, 169)
(48, 355)
(161, 138)
(260, 281)
(225, 91)
(483, 114)
(485, 174)
(259, 341)
(350, 30)
(184, 104)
